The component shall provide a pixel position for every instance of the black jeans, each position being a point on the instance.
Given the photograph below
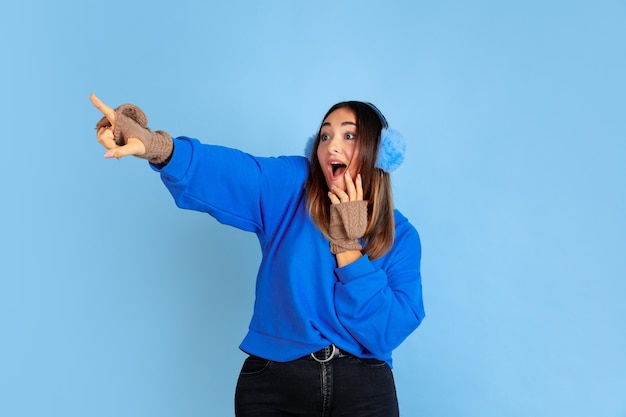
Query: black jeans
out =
(341, 387)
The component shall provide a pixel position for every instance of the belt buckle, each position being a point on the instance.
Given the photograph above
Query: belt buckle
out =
(329, 358)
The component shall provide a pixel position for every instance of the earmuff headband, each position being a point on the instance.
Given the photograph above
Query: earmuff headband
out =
(390, 151)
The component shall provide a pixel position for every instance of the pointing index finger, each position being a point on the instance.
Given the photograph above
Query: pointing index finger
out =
(108, 112)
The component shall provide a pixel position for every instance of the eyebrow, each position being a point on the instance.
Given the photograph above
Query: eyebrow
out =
(342, 124)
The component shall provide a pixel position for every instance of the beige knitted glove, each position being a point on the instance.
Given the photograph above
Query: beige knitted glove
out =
(348, 222)
(131, 122)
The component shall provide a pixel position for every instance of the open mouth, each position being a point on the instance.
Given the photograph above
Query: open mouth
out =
(338, 168)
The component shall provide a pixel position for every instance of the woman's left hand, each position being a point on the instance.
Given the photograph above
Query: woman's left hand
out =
(353, 192)
(348, 220)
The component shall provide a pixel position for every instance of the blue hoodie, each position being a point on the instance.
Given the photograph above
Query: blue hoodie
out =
(304, 302)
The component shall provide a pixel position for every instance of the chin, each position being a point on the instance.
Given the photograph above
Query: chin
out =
(338, 184)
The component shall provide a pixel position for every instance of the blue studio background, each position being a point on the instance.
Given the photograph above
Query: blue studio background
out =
(113, 302)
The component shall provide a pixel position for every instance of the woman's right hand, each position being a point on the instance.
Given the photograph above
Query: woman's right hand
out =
(133, 145)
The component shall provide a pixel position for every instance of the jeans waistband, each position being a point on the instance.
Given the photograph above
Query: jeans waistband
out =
(329, 353)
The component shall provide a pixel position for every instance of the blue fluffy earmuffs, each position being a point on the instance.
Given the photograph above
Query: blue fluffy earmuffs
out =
(390, 152)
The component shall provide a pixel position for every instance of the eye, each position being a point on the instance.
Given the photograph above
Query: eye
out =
(324, 137)
(350, 136)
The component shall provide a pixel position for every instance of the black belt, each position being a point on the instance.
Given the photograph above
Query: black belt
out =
(329, 353)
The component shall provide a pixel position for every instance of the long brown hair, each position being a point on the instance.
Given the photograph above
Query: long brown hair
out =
(379, 234)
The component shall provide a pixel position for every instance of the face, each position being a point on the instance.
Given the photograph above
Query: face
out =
(338, 147)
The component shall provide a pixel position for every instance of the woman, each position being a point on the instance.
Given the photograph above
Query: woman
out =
(339, 283)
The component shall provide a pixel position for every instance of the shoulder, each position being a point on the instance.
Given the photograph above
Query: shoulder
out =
(299, 163)
(402, 223)
(405, 232)
(238, 162)
(286, 169)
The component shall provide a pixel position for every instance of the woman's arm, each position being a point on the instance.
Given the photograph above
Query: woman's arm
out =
(238, 189)
(380, 303)
(346, 258)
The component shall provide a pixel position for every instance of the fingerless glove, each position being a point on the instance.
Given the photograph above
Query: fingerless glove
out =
(348, 223)
(131, 122)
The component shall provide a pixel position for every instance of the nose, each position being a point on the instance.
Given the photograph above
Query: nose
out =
(333, 145)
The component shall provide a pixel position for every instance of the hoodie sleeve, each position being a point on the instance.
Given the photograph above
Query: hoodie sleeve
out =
(380, 303)
(236, 188)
